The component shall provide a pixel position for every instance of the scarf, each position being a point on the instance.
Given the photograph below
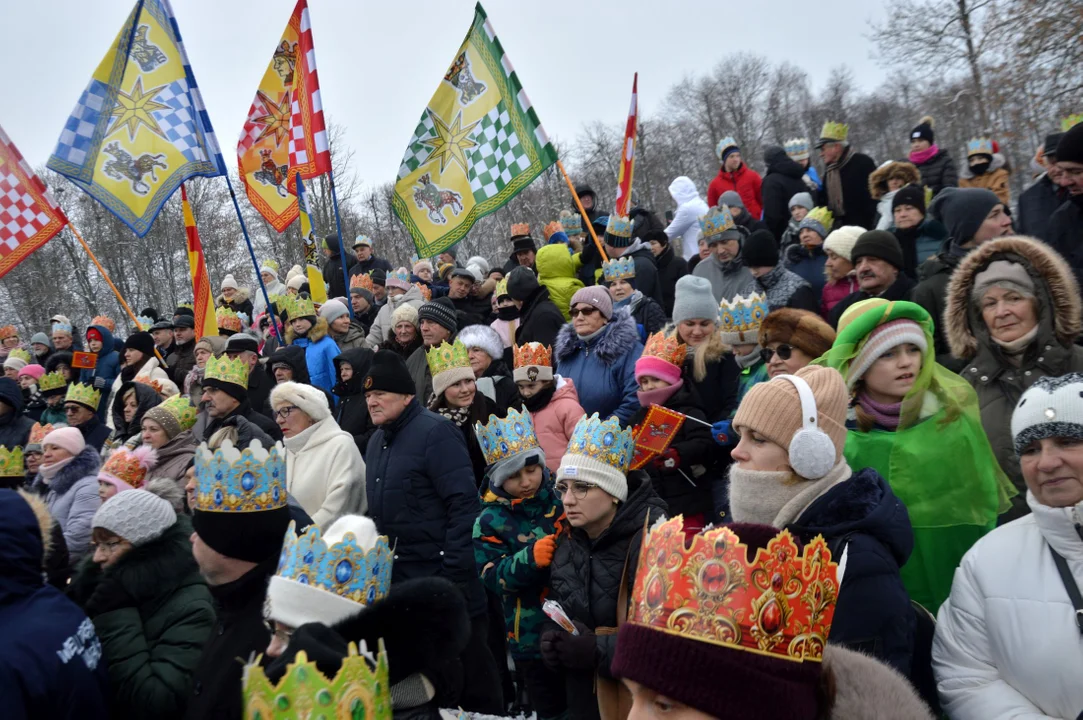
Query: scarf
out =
(297, 443)
(658, 396)
(885, 414)
(777, 498)
(746, 361)
(833, 183)
(539, 400)
(923, 156)
(48, 472)
(779, 285)
(590, 336)
(730, 266)
(1013, 350)
(459, 416)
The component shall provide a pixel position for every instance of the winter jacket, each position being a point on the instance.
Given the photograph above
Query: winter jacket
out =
(556, 271)
(938, 172)
(381, 326)
(603, 368)
(175, 456)
(998, 383)
(585, 579)
(145, 399)
(364, 267)
(153, 613)
(647, 314)
(149, 372)
(241, 303)
(835, 292)
(354, 337)
(554, 423)
(423, 497)
(858, 203)
(504, 537)
(932, 294)
(539, 319)
(51, 663)
(866, 688)
(1007, 643)
(497, 384)
(808, 264)
(747, 378)
(259, 306)
(181, 361)
(787, 289)
(671, 268)
(898, 290)
(780, 183)
(260, 384)
(712, 371)
(1066, 234)
(646, 270)
(332, 269)
(685, 223)
(861, 518)
(95, 432)
(325, 472)
(72, 497)
(320, 353)
(238, 632)
(418, 366)
(919, 243)
(14, 426)
(1036, 207)
(352, 413)
(728, 280)
(105, 371)
(745, 181)
(996, 178)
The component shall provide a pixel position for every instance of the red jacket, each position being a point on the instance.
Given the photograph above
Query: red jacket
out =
(747, 184)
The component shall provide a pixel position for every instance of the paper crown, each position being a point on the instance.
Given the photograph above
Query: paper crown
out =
(519, 229)
(502, 438)
(398, 279)
(62, 328)
(300, 307)
(84, 395)
(604, 441)
(1071, 121)
(619, 226)
(20, 354)
(823, 216)
(11, 462)
(344, 569)
(228, 370)
(622, 268)
(979, 146)
(501, 288)
(571, 222)
(270, 263)
(279, 301)
(447, 357)
(228, 320)
(425, 290)
(107, 322)
(8, 331)
(360, 689)
(180, 407)
(38, 433)
(668, 348)
(130, 466)
(739, 319)
(781, 604)
(834, 132)
(361, 280)
(532, 353)
(52, 381)
(240, 481)
(797, 148)
(362, 240)
(723, 145)
(551, 228)
(143, 322)
(188, 305)
(717, 221)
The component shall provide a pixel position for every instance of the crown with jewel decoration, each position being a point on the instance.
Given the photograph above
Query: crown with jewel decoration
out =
(823, 216)
(501, 288)
(20, 354)
(361, 280)
(797, 148)
(979, 146)
(425, 290)
(106, 322)
(533, 362)
(301, 307)
(62, 327)
(228, 370)
(781, 604)
(179, 407)
(520, 229)
(228, 320)
(38, 433)
(229, 480)
(739, 319)
(502, 438)
(52, 381)
(447, 356)
(602, 440)
(345, 568)
(360, 689)
(622, 268)
(85, 395)
(571, 222)
(130, 466)
(11, 462)
(834, 132)
(8, 331)
(723, 145)
(143, 322)
(551, 228)
(717, 225)
(1070, 122)
(618, 227)
(668, 348)
(398, 279)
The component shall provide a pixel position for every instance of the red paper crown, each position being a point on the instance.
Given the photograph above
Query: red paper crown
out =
(532, 353)
(8, 331)
(670, 348)
(106, 322)
(780, 605)
(553, 227)
(426, 291)
(518, 229)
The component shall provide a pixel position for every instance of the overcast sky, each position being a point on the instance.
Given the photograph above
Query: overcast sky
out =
(380, 62)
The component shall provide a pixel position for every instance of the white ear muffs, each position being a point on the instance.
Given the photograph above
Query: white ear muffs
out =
(812, 453)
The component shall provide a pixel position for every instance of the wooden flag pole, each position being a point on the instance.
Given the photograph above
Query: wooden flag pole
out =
(582, 213)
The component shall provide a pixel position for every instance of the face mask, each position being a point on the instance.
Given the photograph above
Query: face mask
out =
(509, 312)
(979, 168)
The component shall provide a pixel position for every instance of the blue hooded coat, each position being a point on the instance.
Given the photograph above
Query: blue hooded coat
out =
(106, 368)
(603, 368)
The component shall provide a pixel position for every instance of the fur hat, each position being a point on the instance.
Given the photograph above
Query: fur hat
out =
(693, 299)
(404, 313)
(137, 516)
(802, 329)
(423, 265)
(596, 296)
(841, 241)
(483, 337)
(310, 400)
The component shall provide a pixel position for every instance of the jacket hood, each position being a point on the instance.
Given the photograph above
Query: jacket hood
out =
(998, 162)
(565, 389)
(683, 190)
(62, 357)
(240, 296)
(617, 338)
(145, 399)
(294, 356)
(317, 332)
(582, 190)
(85, 463)
(908, 171)
(24, 548)
(554, 261)
(412, 294)
(779, 162)
(1055, 286)
(108, 341)
(360, 359)
(643, 501)
(11, 394)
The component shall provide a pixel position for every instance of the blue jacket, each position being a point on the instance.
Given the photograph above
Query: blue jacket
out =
(422, 495)
(873, 613)
(51, 662)
(809, 264)
(320, 353)
(107, 368)
(603, 368)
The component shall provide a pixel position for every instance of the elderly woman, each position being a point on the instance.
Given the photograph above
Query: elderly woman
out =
(168, 429)
(403, 337)
(324, 469)
(1013, 314)
(791, 339)
(494, 380)
(68, 479)
(456, 397)
(1007, 644)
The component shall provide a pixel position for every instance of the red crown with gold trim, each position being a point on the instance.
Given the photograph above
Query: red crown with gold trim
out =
(553, 227)
(781, 604)
(361, 280)
(518, 229)
(533, 353)
(670, 349)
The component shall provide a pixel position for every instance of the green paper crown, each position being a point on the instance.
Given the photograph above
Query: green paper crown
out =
(180, 407)
(20, 353)
(835, 131)
(1071, 121)
(227, 370)
(301, 307)
(84, 395)
(52, 381)
(11, 462)
(447, 357)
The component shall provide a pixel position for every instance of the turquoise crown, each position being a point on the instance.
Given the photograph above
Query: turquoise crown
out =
(797, 147)
(604, 441)
(622, 268)
(345, 569)
(402, 275)
(240, 481)
(717, 221)
(502, 438)
(979, 146)
(724, 144)
(619, 226)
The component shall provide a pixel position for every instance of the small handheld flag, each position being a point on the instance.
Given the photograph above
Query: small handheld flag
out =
(655, 434)
(628, 154)
(29, 217)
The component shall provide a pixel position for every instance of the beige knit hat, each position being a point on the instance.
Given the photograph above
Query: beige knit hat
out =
(404, 313)
(773, 408)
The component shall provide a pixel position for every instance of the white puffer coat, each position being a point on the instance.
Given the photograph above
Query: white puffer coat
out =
(325, 472)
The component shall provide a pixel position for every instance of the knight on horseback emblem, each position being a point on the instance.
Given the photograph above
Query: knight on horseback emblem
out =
(460, 77)
(148, 55)
(427, 196)
(124, 167)
(270, 173)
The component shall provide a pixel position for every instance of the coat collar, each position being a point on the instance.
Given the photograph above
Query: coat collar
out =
(1060, 527)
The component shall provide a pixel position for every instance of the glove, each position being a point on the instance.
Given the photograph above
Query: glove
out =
(576, 652)
(550, 655)
(722, 432)
(544, 549)
(99, 383)
(669, 460)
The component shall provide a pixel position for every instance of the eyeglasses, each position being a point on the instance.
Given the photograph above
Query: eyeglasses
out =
(587, 311)
(579, 489)
(284, 411)
(108, 547)
(784, 352)
(71, 410)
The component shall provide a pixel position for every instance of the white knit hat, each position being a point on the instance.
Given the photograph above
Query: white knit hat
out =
(581, 468)
(294, 272)
(309, 399)
(404, 313)
(229, 282)
(1049, 408)
(483, 337)
(137, 516)
(880, 340)
(295, 282)
(841, 240)
(332, 310)
(15, 363)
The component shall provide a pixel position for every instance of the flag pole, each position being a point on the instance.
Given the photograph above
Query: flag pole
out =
(582, 212)
(341, 241)
(255, 263)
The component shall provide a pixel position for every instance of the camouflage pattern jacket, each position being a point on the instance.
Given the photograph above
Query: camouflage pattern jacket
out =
(504, 537)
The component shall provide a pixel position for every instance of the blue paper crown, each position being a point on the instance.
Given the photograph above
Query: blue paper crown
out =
(622, 268)
(717, 221)
(63, 327)
(797, 148)
(979, 146)
(604, 441)
(739, 319)
(345, 569)
(402, 275)
(619, 226)
(502, 438)
(723, 144)
(235, 481)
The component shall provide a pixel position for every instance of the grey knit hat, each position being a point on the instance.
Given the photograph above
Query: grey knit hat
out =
(135, 515)
(41, 338)
(693, 299)
(596, 296)
(802, 199)
(732, 199)
(442, 312)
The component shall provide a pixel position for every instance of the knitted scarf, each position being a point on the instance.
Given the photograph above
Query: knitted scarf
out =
(459, 416)
(885, 414)
(925, 155)
(779, 285)
(833, 183)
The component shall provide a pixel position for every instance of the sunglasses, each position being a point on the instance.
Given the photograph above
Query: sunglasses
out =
(576, 312)
(784, 353)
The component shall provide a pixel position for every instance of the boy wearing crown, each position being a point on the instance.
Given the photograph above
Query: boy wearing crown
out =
(620, 278)
(846, 180)
(986, 168)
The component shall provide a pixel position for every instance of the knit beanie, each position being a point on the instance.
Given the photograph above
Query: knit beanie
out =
(912, 195)
(731, 198)
(760, 250)
(693, 299)
(654, 366)
(812, 222)
(1049, 147)
(599, 453)
(332, 310)
(879, 341)
(137, 516)
(596, 296)
(773, 408)
(175, 415)
(15, 363)
(878, 244)
(33, 370)
(127, 469)
(1070, 147)
(963, 210)
(308, 399)
(522, 283)
(841, 241)
(66, 438)
(423, 265)
(923, 130)
(295, 282)
(404, 313)
(1004, 274)
(388, 373)
(379, 277)
(802, 199)
(229, 282)
(484, 338)
(440, 311)
(141, 341)
(1050, 408)
(802, 329)
(453, 251)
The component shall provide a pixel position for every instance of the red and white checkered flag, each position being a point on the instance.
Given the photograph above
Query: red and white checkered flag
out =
(29, 217)
(310, 152)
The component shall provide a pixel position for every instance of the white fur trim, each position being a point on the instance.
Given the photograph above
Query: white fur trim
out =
(311, 400)
(484, 337)
(294, 604)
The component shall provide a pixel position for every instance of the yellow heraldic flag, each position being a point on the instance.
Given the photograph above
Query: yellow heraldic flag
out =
(139, 129)
(478, 144)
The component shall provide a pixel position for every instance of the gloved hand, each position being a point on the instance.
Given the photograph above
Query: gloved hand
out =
(543, 550)
(99, 383)
(577, 651)
(550, 655)
(669, 460)
(722, 432)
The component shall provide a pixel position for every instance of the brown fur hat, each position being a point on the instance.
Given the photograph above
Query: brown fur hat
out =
(906, 171)
(802, 329)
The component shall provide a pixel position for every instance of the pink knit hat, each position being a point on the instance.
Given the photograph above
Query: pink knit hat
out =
(35, 371)
(880, 340)
(657, 367)
(67, 438)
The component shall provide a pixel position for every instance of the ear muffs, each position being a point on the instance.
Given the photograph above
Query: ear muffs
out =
(812, 453)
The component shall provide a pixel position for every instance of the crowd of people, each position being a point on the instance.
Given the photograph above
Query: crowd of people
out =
(813, 449)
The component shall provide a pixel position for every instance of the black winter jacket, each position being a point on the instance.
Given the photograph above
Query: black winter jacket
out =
(14, 426)
(358, 267)
(181, 361)
(648, 315)
(332, 269)
(932, 294)
(1036, 207)
(352, 413)
(671, 268)
(502, 383)
(938, 172)
(260, 384)
(1066, 234)
(539, 320)
(647, 281)
(95, 432)
(899, 290)
(782, 181)
(145, 398)
(856, 199)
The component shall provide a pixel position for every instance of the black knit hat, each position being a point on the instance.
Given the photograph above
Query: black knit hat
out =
(441, 311)
(379, 277)
(1070, 147)
(141, 341)
(1049, 147)
(181, 310)
(150, 312)
(522, 282)
(878, 244)
(388, 373)
(912, 195)
(523, 242)
(963, 210)
(924, 130)
(235, 391)
(249, 536)
(659, 235)
(760, 250)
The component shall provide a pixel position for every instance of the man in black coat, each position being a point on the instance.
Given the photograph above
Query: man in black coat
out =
(260, 383)
(846, 181)
(1039, 201)
(225, 398)
(82, 413)
(878, 262)
(332, 267)
(366, 260)
(671, 267)
(780, 183)
(1066, 225)
(783, 288)
(539, 318)
(183, 357)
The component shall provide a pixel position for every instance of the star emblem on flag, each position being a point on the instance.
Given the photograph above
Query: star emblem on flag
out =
(276, 121)
(451, 142)
(136, 109)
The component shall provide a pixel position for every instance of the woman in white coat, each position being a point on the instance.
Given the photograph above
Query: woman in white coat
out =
(1009, 643)
(324, 469)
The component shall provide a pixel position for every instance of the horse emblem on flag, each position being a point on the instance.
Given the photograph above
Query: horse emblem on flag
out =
(461, 78)
(435, 199)
(124, 167)
(270, 172)
(147, 54)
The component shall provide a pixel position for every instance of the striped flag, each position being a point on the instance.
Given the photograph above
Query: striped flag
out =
(203, 301)
(628, 154)
(29, 217)
(316, 286)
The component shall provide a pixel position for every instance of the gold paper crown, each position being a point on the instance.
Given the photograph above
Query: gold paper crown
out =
(8, 331)
(52, 381)
(11, 462)
(501, 288)
(502, 438)
(270, 263)
(107, 322)
(361, 280)
(670, 348)
(426, 291)
(823, 216)
(84, 395)
(361, 689)
(1071, 121)
(228, 370)
(781, 604)
(38, 433)
(180, 407)
(188, 305)
(518, 229)
(533, 353)
(300, 307)
(447, 357)
(228, 320)
(21, 354)
(834, 132)
(131, 466)
(553, 227)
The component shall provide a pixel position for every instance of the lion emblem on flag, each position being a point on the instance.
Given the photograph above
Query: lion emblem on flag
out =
(427, 196)
(460, 77)
(124, 167)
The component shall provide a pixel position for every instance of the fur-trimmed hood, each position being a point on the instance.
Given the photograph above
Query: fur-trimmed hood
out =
(85, 463)
(998, 162)
(906, 171)
(1055, 288)
(316, 333)
(618, 337)
(239, 297)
